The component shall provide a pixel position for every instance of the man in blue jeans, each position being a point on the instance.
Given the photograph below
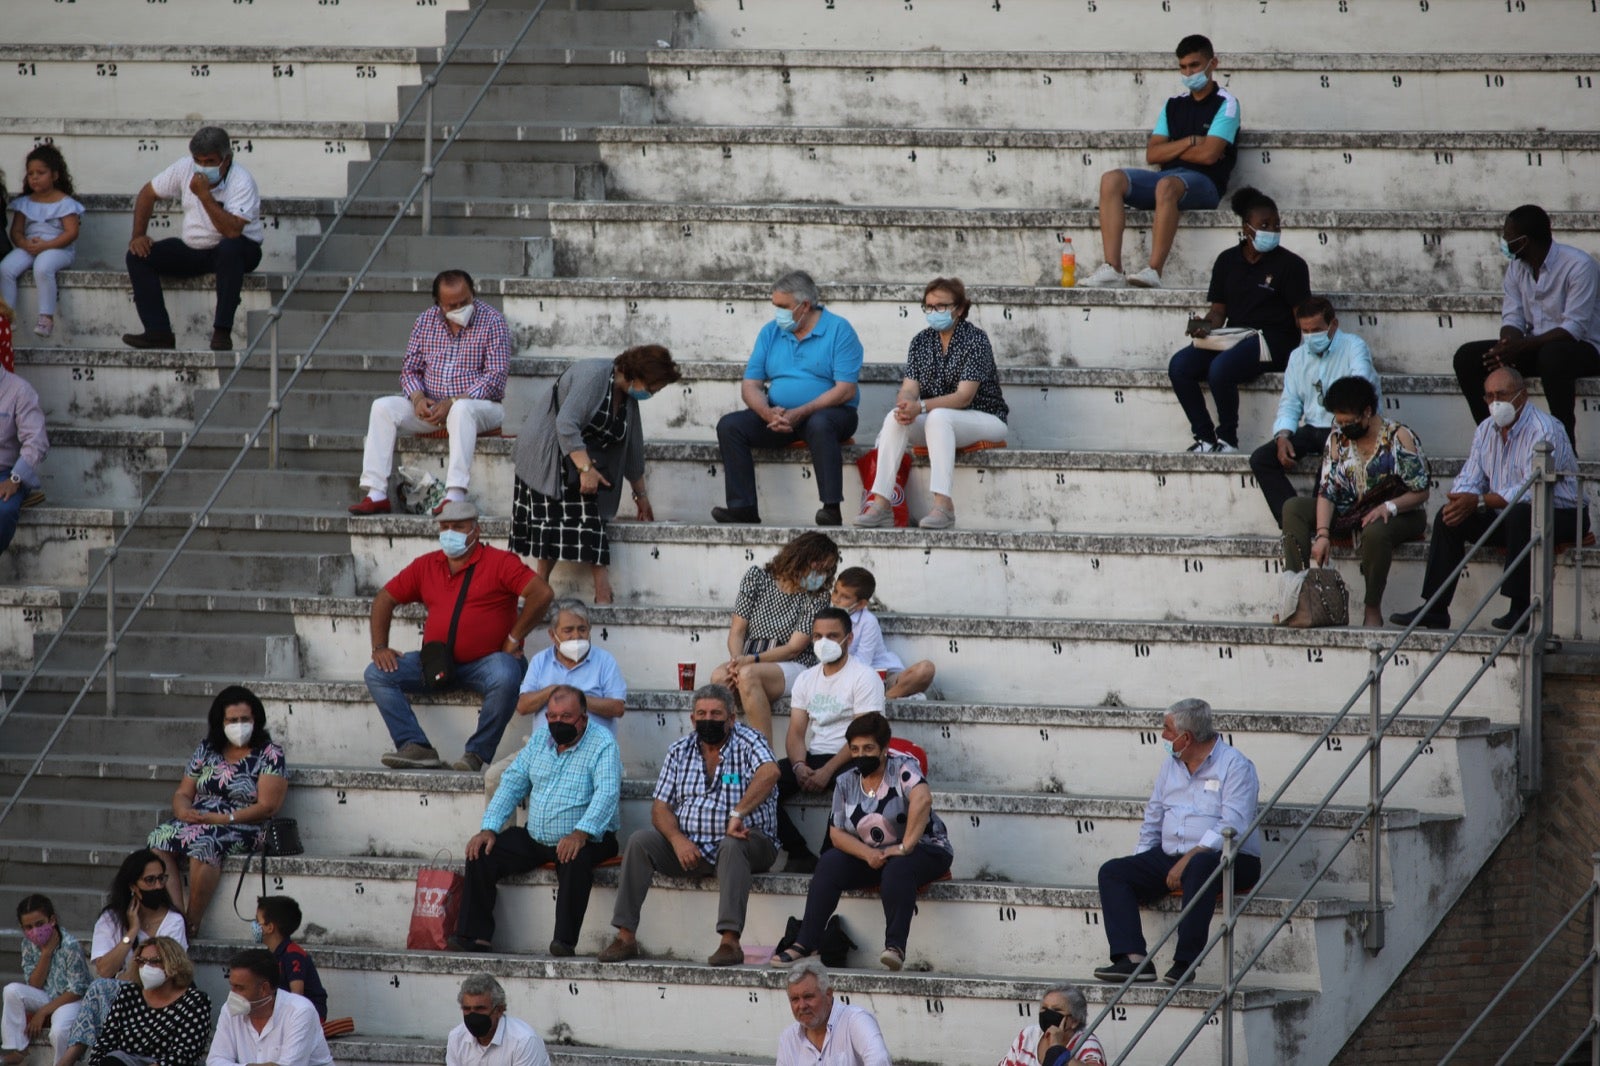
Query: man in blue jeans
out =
(481, 584)
(799, 385)
(1193, 147)
(23, 445)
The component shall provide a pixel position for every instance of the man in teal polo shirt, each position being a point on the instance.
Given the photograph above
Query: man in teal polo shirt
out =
(800, 384)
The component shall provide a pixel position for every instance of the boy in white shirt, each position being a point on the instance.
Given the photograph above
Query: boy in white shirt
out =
(853, 589)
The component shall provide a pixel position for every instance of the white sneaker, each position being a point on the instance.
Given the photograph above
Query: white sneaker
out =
(1201, 447)
(1145, 279)
(1105, 276)
(1222, 447)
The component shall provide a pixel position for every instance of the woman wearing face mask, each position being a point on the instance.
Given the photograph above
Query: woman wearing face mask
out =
(950, 399)
(884, 834)
(163, 1019)
(137, 908)
(57, 975)
(1373, 486)
(769, 636)
(1057, 1038)
(574, 452)
(234, 782)
(1255, 285)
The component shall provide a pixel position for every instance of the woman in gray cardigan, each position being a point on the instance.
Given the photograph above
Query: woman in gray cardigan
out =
(573, 454)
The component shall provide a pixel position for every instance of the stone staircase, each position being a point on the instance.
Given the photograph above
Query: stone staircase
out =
(614, 190)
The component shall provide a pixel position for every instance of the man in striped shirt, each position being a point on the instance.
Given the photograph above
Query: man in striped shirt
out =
(1500, 461)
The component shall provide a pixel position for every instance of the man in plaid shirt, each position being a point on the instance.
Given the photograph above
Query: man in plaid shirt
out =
(454, 378)
(715, 813)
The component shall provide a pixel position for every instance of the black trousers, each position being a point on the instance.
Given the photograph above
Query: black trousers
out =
(825, 431)
(1270, 474)
(789, 836)
(516, 852)
(1127, 882)
(1558, 364)
(230, 261)
(1448, 546)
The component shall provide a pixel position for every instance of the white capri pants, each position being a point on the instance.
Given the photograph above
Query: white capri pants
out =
(942, 430)
(20, 1000)
(45, 267)
(393, 415)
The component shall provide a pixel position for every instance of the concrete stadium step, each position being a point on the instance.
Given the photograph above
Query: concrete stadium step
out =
(570, 104)
(587, 28)
(94, 22)
(101, 468)
(103, 240)
(1392, 250)
(270, 655)
(64, 819)
(477, 255)
(77, 908)
(924, 1017)
(487, 180)
(387, 1051)
(266, 489)
(1464, 27)
(989, 90)
(238, 569)
(96, 307)
(24, 732)
(242, 82)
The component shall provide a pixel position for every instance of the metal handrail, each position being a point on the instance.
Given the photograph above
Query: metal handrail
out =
(1537, 618)
(423, 186)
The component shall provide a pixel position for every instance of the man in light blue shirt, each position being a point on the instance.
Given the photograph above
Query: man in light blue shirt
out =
(1325, 355)
(1206, 786)
(571, 777)
(572, 660)
(1500, 461)
(799, 385)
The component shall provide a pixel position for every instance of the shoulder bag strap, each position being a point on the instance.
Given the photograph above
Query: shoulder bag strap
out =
(455, 619)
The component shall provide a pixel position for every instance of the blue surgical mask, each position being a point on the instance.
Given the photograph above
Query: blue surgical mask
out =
(454, 542)
(940, 320)
(1196, 81)
(1265, 241)
(784, 318)
(212, 174)
(255, 931)
(814, 581)
(1316, 343)
(640, 394)
(1505, 249)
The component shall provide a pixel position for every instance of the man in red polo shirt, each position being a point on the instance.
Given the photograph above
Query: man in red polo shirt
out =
(488, 644)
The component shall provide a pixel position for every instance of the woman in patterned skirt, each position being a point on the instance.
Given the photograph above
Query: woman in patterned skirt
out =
(234, 782)
(573, 454)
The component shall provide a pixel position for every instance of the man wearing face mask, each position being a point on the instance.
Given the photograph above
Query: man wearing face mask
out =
(570, 777)
(713, 814)
(487, 1035)
(1549, 318)
(1205, 786)
(263, 1023)
(1325, 355)
(1501, 459)
(572, 660)
(826, 698)
(799, 385)
(453, 377)
(470, 590)
(222, 235)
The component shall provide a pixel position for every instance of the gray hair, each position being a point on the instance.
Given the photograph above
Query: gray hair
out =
(811, 968)
(1077, 1005)
(798, 283)
(211, 140)
(1517, 380)
(570, 605)
(481, 984)
(1193, 716)
(721, 693)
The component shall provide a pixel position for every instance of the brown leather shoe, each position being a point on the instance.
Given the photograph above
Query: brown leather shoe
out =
(727, 955)
(221, 340)
(619, 950)
(150, 340)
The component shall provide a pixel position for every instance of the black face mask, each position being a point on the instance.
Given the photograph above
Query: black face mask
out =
(155, 899)
(1354, 430)
(563, 733)
(479, 1025)
(866, 764)
(711, 732)
(1049, 1019)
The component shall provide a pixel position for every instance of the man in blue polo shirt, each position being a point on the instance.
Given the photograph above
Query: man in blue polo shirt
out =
(800, 384)
(1192, 147)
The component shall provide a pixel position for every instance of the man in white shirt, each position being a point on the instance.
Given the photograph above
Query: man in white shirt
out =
(262, 1023)
(487, 1035)
(222, 235)
(838, 1034)
(826, 697)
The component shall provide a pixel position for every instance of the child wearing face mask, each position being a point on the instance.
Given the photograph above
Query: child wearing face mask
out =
(277, 919)
(56, 975)
(853, 591)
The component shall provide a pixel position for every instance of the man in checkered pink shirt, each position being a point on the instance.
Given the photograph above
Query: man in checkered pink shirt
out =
(454, 378)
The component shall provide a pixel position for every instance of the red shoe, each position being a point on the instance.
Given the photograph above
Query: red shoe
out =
(440, 508)
(369, 506)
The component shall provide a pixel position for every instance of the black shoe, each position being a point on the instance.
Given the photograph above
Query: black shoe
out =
(221, 340)
(560, 950)
(829, 515)
(149, 340)
(1179, 975)
(802, 863)
(1440, 620)
(1119, 970)
(1510, 618)
(736, 515)
(461, 943)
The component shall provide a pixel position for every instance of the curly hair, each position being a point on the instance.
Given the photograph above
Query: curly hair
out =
(54, 161)
(649, 363)
(801, 555)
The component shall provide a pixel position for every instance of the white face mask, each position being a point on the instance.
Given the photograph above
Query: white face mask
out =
(1503, 413)
(461, 316)
(236, 1004)
(239, 733)
(826, 650)
(573, 649)
(152, 976)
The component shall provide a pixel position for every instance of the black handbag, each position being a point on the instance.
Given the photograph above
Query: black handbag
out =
(279, 836)
(438, 657)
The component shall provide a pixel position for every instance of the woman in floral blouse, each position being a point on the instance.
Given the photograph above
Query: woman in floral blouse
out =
(233, 784)
(1373, 486)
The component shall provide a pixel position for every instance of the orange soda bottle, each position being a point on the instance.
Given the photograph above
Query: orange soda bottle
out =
(1069, 264)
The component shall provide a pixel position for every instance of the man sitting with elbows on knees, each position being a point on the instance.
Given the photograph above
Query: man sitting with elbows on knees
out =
(487, 1035)
(454, 378)
(824, 1030)
(714, 813)
(570, 776)
(263, 1023)
(1206, 786)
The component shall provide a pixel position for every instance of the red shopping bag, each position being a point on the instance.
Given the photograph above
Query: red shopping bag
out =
(868, 465)
(435, 909)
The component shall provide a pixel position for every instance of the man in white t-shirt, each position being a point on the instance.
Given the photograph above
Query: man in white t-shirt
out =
(826, 697)
(222, 235)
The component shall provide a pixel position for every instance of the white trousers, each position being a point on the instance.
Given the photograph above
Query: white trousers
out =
(942, 430)
(393, 415)
(21, 1000)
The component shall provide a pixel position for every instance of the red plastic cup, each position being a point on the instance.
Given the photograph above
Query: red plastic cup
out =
(686, 677)
(883, 675)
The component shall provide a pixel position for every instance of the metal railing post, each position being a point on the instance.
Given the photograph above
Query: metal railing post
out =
(1577, 569)
(1230, 850)
(111, 631)
(274, 401)
(1372, 934)
(427, 155)
(1530, 773)
(1594, 977)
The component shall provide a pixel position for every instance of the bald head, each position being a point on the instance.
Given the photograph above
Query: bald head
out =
(1504, 379)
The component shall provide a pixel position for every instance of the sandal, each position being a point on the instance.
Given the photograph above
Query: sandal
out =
(790, 955)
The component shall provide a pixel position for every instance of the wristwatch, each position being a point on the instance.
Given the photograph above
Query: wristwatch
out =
(1393, 510)
(16, 480)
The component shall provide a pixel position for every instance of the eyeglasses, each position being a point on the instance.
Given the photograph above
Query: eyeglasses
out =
(153, 879)
(929, 308)
(153, 960)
